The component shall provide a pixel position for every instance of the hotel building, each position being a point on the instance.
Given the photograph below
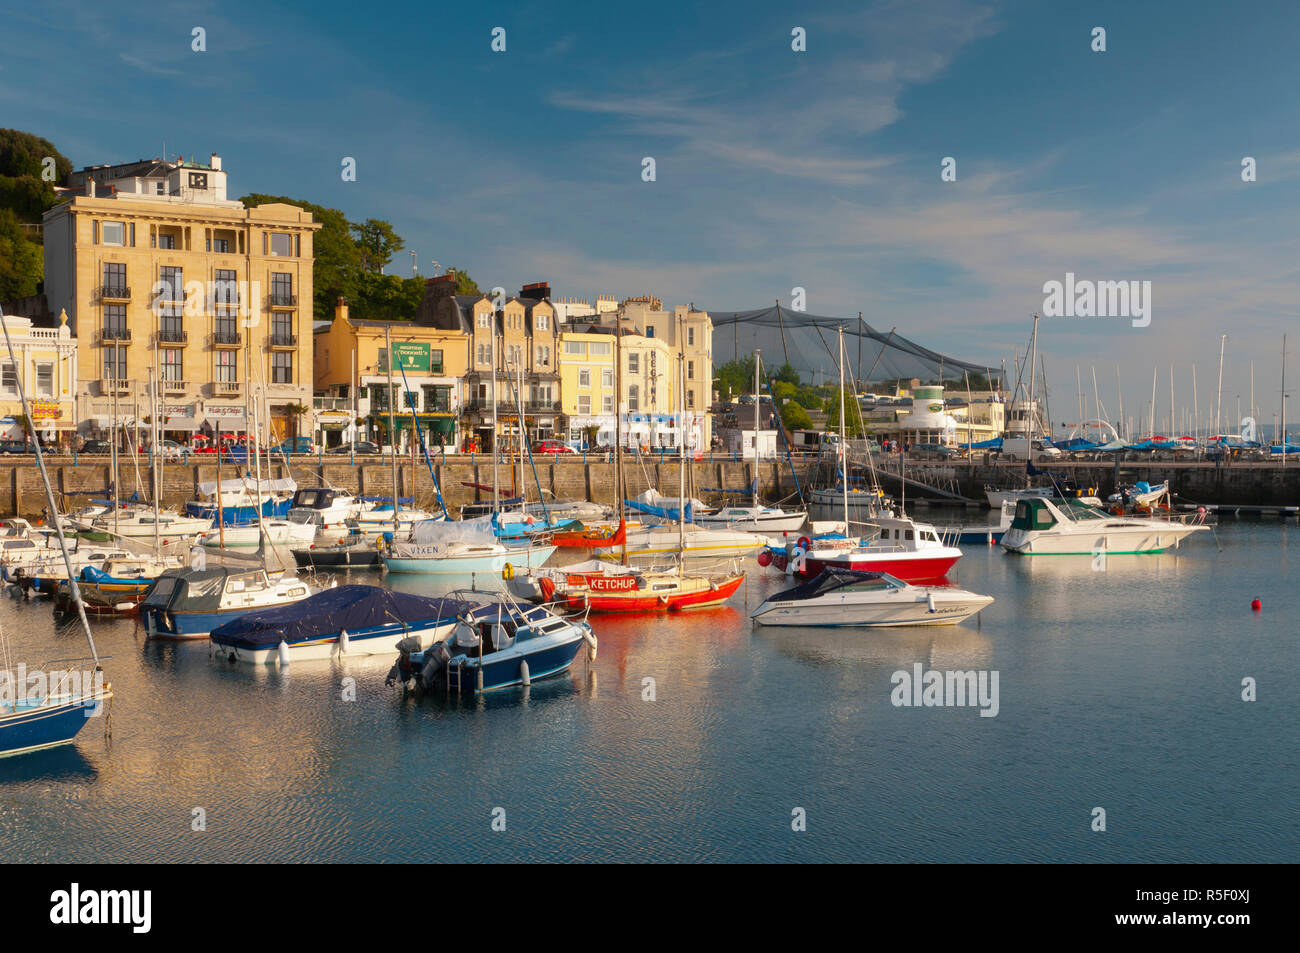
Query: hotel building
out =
(164, 278)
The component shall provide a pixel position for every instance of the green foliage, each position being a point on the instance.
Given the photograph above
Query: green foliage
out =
(23, 187)
(349, 257)
(788, 374)
(853, 424)
(735, 377)
(465, 285)
(795, 417)
(22, 262)
(376, 243)
(388, 297)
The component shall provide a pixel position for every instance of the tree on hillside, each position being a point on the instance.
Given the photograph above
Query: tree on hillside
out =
(25, 186)
(795, 417)
(377, 243)
(338, 260)
(853, 425)
(388, 297)
(787, 373)
(22, 262)
(465, 285)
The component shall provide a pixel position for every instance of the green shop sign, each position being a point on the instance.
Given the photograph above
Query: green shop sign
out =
(411, 357)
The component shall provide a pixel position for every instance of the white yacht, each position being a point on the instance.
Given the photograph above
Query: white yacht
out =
(842, 597)
(1071, 527)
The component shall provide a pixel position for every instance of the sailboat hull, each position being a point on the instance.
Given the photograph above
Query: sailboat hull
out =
(530, 558)
(46, 726)
(638, 600)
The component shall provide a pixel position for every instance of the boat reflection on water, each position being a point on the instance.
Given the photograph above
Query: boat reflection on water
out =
(948, 647)
(1130, 568)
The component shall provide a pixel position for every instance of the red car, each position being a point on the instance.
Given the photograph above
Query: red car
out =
(553, 446)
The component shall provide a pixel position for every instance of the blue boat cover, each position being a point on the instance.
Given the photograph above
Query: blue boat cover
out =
(663, 512)
(344, 607)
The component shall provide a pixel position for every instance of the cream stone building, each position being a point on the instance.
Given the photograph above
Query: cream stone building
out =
(45, 361)
(165, 278)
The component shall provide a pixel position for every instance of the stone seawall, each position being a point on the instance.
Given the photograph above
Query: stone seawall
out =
(89, 478)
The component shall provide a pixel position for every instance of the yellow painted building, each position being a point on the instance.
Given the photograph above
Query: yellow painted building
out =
(162, 275)
(45, 361)
(351, 362)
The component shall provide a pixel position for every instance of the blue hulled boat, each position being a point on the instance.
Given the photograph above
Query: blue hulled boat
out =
(190, 603)
(29, 724)
(498, 644)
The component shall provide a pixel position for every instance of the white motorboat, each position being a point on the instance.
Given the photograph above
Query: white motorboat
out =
(278, 533)
(1071, 527)
(846, 598)
(142, 524)
(692, 541)
(755, 519)
(378, 521)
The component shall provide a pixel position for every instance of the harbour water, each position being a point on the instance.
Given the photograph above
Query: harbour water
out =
(1119, 689)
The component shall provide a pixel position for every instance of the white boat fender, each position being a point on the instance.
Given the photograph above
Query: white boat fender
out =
(590, 638)
(929, 601)
(523, 672)
(282, 652)
(343, 642)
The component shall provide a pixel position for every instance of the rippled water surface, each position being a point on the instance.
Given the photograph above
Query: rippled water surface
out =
(1118, 689)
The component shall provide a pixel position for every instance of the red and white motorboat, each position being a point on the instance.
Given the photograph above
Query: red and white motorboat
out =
(905, 549)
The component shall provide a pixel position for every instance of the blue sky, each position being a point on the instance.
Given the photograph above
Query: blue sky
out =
(775, 169)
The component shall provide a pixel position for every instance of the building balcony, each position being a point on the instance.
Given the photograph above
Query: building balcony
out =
(224, 339)
(114, 293)
(113, 335)
(280, 341)
(173, 336)
(281, 300)
(114, 385)
(174, 387)
(227, 388)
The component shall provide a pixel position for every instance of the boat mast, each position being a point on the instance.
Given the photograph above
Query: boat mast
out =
(619, 489)
(496, 492)
(49, 494)
(157, 459)
(1218, 404)
(758, 360)
(392, 426)
(1284, 401)
(681, 448)
(1033, 407)
(844, 445)
(112, 436)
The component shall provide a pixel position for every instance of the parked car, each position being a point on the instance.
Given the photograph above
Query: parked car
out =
(295, 445)
(15, 446)
(935, 449)
(552, 446)
(96, 446)
(361, 447)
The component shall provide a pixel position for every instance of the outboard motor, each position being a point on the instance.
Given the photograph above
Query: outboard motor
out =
(435, 660)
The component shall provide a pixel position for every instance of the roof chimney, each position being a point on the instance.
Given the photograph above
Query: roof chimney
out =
(215, 162)
(340, 309)
(90, 187)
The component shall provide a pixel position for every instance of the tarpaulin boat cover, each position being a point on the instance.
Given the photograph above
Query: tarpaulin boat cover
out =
(249, 484)
(350, 608)
(827, 580)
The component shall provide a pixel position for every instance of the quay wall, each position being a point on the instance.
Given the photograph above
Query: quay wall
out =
(75, 481)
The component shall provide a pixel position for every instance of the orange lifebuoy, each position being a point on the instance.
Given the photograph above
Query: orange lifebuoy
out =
(804, 543)
(547, 585)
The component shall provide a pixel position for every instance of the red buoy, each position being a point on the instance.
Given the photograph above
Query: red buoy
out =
(1256, 605)
(764, 558)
